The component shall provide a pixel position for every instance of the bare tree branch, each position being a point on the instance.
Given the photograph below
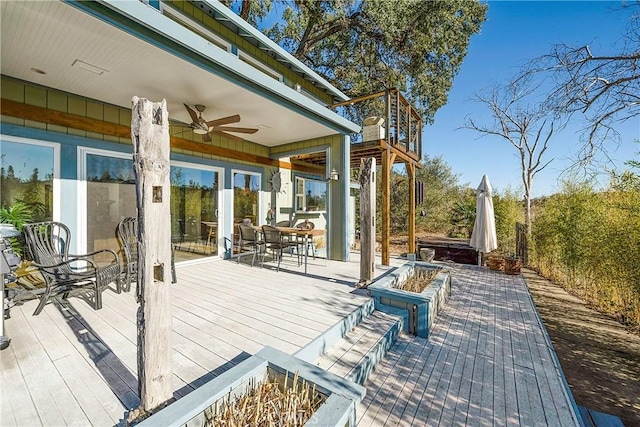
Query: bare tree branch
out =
(522, 125)
(601, 89)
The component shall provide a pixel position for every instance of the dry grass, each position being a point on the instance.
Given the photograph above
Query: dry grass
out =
(420, 279)
(268, 403)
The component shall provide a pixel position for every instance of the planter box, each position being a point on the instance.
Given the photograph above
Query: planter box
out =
(418, 309)
(512, 266)
(342, 396)
(496, 263)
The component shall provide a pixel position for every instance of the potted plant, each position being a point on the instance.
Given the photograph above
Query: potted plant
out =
(512, 264)
(496, 261)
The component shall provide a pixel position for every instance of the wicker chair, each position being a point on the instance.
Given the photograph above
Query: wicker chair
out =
(127, 232)
(63, 273)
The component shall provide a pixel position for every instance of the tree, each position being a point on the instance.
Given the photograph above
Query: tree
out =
(364, 47)
(441, 193)
(525, 126)
(602, 86)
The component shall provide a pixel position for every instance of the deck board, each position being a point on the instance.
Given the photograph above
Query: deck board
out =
(486, 363)
(73, 365)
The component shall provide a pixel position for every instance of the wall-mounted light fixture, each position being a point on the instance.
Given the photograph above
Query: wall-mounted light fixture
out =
(333, 175)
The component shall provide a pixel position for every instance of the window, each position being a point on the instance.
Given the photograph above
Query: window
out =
(260, 66)
(195, 27)
(311, 195)
(27, 175)
(245, 197)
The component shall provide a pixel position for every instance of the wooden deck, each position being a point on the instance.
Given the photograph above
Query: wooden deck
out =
(73, 365)
(487, 362)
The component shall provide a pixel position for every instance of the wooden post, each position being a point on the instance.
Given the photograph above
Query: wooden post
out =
(385, 228)
(411, 171)
(367, 219)
(150, 137)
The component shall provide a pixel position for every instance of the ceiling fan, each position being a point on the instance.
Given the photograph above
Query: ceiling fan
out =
(205, 128)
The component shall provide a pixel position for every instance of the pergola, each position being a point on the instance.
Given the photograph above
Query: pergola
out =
(401, 143)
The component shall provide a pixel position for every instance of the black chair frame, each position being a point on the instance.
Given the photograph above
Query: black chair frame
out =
(63, 273)
(127, 233)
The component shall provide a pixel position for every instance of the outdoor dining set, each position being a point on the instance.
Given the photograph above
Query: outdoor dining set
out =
(279, 239)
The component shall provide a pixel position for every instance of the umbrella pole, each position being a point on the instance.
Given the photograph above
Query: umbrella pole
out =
(480, 258)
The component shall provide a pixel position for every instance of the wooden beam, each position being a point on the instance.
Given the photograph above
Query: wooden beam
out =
(150, 133)
(411, 172)
(59, 118)
(367, 219)
(386, 206)
(356, 99)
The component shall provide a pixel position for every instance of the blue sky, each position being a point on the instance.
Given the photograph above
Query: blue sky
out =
(515, 32)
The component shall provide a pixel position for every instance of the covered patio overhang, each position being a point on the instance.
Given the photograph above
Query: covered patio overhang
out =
(110, 51)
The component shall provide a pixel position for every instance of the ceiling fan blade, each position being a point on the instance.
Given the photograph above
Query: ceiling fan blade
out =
(206, 137)
(233, 129)
(227, 135)
(224, 120)
(192, 113)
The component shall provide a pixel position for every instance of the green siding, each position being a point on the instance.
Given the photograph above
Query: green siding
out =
(290, 77)
(32, 94)
(13, 90)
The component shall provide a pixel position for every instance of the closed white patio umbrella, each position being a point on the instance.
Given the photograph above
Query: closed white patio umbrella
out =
(483, 237)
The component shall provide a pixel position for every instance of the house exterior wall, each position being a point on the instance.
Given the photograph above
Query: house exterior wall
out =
(70, 138)
(290, 78)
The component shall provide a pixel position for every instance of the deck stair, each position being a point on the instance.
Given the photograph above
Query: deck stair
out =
(358, 352)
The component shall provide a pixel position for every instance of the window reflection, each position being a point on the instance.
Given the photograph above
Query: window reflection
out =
(111, 196)
(311, 195)
(245, 197)
(194, 204)
(26, 175)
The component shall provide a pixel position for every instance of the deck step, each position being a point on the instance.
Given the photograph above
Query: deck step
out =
(357, 354)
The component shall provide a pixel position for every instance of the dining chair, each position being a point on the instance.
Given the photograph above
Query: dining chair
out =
(249, 240)
(276, 240)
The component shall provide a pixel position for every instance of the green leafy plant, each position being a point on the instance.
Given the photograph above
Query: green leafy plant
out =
(17, 215)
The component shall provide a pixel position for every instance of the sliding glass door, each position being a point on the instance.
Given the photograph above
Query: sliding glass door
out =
(194, 211)
(111, 196)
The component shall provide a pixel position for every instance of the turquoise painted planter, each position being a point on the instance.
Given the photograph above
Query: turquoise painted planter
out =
(339, 409)
(419, 309)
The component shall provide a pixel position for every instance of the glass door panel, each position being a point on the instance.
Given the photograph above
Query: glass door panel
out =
(111, 196)
(245, 197)
(194, 212)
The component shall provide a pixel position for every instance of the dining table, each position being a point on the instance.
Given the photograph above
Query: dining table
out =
(300, 232)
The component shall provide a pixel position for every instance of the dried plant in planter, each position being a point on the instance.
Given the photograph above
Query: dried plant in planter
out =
(268, 403)
(419, 280)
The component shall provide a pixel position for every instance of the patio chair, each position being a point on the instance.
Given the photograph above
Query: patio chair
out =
(127, 232)
(277, 241)
(248, 241)
(63, 273)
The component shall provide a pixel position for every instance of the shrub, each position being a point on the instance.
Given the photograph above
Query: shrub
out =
(589, 241)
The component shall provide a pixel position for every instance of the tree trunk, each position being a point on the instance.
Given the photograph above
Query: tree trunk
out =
(150, 137)
(367, 219)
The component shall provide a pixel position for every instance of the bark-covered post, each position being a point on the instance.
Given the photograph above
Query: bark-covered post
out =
(150, 137)
(367, 219)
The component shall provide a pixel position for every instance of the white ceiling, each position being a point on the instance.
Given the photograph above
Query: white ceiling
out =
(51, 36)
